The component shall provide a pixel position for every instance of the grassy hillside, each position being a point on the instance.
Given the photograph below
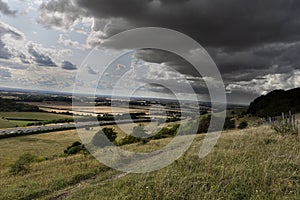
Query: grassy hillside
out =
(276, 102)
(246, 164)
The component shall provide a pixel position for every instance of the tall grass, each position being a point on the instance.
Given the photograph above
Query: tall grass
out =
(253, 163)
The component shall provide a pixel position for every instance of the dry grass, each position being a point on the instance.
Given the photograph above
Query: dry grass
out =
(250, 164)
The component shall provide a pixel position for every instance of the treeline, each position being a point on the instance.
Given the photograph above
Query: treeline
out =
(275, 103)
(54, 121)
(99, 140)
(8, 105)
(204, 124)
(110, 117)
(41, 98)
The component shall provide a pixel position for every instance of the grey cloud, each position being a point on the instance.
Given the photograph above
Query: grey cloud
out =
(40, 58)
(243, 96)
(60, 14)
(7, 30)
(232, 23)
(24, 58)
(168, 58)
(259, 61)
(91, 71)
(30, 53)
(68, 65)
(272, 81)
(5, 74)
(6, 10)
(13, 65)
(70, 43)
(104, 28)
(4, 52)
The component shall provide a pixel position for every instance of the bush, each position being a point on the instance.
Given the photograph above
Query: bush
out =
(101, 137)
(243, 125)
(284, 129)
(129, 139)
(138, 135)
(100, 140)
(229, 123)
(110, 134)
(22, 165)
(166, 132)
(205, 122)
(139, 132)
(75, 148)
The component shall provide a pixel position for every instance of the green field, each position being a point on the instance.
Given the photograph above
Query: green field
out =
(13, 119)
(33, 115)
(254, 163)
(6, 124)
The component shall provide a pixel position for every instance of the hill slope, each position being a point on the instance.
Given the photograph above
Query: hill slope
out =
(253, 163)
(276, 102)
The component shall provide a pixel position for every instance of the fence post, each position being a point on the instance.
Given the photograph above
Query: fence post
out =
(298, 129)
(294, 122)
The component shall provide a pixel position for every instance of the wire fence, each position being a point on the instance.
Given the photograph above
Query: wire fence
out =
(288, 119)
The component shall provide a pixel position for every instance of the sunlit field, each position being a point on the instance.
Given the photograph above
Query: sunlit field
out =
(13, 119)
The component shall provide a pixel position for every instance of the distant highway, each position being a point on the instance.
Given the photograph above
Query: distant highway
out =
(5, 133)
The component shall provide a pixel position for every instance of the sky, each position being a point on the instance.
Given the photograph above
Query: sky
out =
(255, 44)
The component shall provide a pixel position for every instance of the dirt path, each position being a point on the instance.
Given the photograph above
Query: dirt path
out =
(65, 192)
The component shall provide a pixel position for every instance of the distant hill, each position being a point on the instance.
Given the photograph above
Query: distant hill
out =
(276, 102)
(8, 105)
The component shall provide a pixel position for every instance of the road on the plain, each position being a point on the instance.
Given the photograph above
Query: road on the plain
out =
(4, 133)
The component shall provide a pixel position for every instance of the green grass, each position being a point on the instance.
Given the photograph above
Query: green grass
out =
(13, 119)
(246, 164)
(49, 144)
(33, 115)
(6, 124)
(21, 122)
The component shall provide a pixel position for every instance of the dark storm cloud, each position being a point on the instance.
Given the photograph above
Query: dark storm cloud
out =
(40, 58)
(246, 39)
(6, 10)
(168, 58)
(231, 23)
(68, 65)
(240, 32)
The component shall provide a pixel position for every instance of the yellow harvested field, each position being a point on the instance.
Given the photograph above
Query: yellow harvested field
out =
(85, 109)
